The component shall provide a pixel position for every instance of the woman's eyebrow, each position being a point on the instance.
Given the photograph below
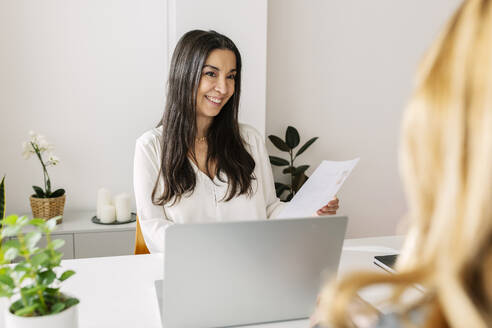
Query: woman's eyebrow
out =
(217, 69)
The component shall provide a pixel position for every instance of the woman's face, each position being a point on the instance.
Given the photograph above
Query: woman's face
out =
(216, 83)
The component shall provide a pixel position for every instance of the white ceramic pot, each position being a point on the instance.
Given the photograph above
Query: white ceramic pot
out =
(64, 319)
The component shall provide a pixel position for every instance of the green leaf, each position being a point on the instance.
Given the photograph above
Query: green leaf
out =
(67, 274)
(292, 137)
(10, 231)
(24, 312)
(37, 222)
(301, 169)
(30, 290)
(7, 280)
(11, 219)
(279, 143)
(277, 161)
(56, 259)
(57, 307)
(32, 239)
(21, 267)
(22, 221)
(290, 169)
(279, 185)
(16, 306)
(51, 223)
(14, 242)
(5, 292)
(39, 259)
(52, 291)
(38, 192)
(71, 302)
(306, 146)
(57, 243)
(299, 180)
(2, 198)
(46, 277)
(280, 188)
(11, 254)
(57, 193)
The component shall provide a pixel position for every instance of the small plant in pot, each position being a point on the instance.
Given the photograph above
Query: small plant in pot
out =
(45, 203)
(33, 282)
(297, 174)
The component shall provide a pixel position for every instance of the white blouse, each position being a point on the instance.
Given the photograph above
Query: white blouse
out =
(206, 203)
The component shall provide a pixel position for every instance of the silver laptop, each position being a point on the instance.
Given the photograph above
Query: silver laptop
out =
(239, 273)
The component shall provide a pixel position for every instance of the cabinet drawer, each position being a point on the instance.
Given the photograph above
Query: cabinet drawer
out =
(66, 249)
(98, 244)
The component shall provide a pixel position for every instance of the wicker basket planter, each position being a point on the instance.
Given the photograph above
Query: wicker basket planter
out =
(47, 208)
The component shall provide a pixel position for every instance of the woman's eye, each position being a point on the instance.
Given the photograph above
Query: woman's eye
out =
(212, 74)
(232, 77)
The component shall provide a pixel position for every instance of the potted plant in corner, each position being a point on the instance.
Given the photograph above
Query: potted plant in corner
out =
(297, 175)
(34, 281)
(45, 204)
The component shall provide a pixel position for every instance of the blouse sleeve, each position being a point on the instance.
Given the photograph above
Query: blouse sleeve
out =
(153, 220)
(273, 204)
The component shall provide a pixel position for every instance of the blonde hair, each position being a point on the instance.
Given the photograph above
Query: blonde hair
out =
(446, 165)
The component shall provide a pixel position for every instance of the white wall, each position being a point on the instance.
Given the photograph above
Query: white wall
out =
(342, 70)
(245, 23)
(91, 76)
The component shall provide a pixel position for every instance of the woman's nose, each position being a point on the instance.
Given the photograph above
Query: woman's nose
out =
(221, 85)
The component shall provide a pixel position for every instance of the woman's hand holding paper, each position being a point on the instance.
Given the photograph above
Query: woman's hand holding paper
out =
(330, 208)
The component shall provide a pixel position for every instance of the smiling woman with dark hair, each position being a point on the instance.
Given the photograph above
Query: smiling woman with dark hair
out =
(200, 164)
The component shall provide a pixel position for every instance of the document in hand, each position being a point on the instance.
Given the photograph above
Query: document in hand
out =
(319, 189)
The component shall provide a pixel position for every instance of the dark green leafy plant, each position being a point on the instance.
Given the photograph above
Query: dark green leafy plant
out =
(34, 278)
(2, 198)
(297, 174)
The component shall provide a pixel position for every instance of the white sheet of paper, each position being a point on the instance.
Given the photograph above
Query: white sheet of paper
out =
(319, 189)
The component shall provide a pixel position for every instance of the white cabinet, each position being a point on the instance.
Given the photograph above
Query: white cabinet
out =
(83, 238)
(66, 249)
(97, 244)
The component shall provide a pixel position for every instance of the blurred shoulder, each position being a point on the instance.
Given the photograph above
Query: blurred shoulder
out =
(250, 134)
(150, 137)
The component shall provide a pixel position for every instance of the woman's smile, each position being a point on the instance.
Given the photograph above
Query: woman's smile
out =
(214, 100)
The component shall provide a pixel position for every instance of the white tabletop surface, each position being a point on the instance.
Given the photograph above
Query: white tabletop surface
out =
(119, 291)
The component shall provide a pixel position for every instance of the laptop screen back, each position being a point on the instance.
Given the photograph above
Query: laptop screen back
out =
(235, 273)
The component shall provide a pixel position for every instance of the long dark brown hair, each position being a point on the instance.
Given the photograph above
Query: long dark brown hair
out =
(225, 145)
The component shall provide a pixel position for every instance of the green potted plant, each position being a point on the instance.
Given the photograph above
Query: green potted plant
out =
(297, 175)
(45, 203)
(32, 284)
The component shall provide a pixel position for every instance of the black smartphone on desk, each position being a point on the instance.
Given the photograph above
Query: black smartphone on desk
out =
(386, 262)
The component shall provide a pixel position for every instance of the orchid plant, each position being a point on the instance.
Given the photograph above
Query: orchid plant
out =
(38, 145)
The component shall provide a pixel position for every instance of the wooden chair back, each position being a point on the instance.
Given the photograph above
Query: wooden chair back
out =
(140, 246)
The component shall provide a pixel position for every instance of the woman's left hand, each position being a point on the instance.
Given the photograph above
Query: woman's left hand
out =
(330, 208)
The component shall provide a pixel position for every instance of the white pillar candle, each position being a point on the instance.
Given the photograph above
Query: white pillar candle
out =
(122, 205)
(103, 198)
(108, 214)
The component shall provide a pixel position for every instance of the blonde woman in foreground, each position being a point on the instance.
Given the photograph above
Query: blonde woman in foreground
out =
(446, 164)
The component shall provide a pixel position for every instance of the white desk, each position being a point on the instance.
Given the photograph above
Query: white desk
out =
(119, 291)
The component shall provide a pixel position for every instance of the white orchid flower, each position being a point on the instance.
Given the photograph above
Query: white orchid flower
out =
(39, 141)
(43, 144)
(27, 150)
(52, 160)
